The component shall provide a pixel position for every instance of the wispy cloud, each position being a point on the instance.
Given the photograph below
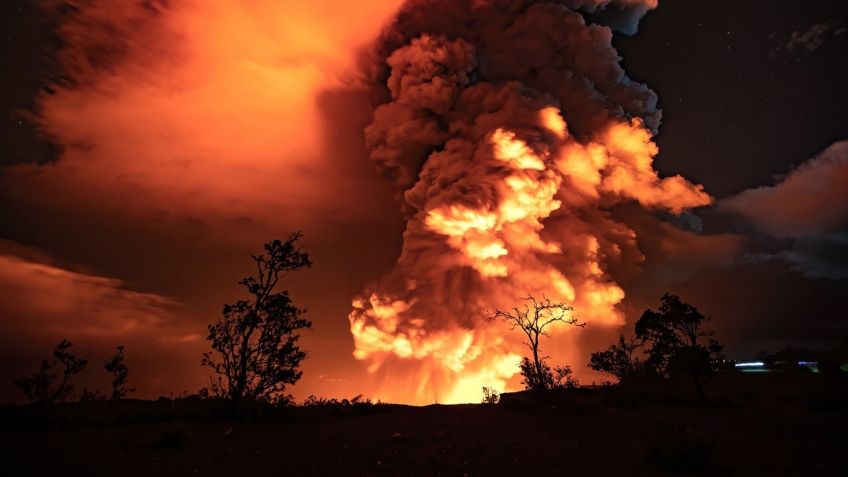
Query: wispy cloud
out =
(809, 39)
(43, 300)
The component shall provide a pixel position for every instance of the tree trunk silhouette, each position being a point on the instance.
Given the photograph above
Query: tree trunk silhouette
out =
(533, 318)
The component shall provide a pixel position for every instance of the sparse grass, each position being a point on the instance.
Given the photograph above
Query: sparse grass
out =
(601, 431)
(358, 405)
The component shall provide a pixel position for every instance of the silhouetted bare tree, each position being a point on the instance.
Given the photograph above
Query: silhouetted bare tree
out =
(120, 372)
(256, 342)
(533, 318)
(41, 387)
(618, 360)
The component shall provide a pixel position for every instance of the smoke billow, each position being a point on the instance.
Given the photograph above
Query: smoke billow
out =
(199, 110)
(510, 131)
(188, 132)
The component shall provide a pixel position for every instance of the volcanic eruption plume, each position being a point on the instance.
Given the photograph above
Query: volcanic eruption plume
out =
(510, 132)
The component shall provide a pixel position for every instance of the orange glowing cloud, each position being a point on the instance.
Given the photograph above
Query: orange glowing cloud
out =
(511, 134)
(506, 244)
(189, 124)
(201, 109)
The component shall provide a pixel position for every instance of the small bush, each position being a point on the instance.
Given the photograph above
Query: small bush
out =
(120, 373)
(619, 359)
(51, 383)
(490, 395)
(564, 378)
(91, 395)
(561, 377)
(533, 379)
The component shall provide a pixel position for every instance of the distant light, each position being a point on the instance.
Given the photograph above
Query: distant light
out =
(749, 364)
(807, 363)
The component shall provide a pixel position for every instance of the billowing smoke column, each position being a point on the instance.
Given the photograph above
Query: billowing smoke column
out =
(510, 133)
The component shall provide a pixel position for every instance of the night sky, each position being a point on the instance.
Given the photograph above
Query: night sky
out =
(753, 95)
(742, 107)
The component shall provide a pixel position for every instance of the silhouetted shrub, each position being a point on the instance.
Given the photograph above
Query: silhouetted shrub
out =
(490, 395)
(671, 338)
(541, 377)
(564, 378)
(48, 385)
(120, 373)
(675, 329)
(619, 359)
(535, 377)
(91, 395)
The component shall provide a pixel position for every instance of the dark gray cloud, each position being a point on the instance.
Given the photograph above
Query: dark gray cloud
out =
(805, 214)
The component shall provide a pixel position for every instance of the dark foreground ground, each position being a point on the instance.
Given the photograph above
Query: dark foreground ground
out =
(751, 426)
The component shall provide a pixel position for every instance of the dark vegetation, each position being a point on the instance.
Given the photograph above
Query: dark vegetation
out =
(533, 318)
(677, 407)
(671, 340)
(255, 352)
(490, 395)
(762, 424)
(52, 382)
(120, 374)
